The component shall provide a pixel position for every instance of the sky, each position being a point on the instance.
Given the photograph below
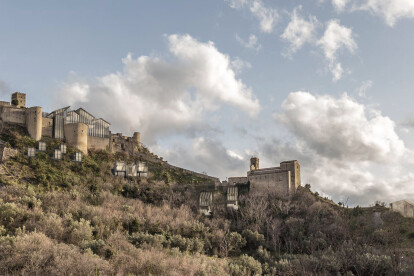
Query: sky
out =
(209, 84)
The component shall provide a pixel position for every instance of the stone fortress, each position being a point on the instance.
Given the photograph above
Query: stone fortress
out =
(283, 180)
(78, 127)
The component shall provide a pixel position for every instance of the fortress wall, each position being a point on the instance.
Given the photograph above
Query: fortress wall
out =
(13, 115)
(98, 143)
(76, 134)
(236, 180)
(279, 182)
(34, 122)
(47, 127)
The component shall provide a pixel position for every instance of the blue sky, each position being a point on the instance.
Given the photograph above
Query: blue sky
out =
(211, 83)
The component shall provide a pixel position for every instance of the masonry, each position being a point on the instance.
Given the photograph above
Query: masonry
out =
(283, 180)
(77, 127)
(17, 113)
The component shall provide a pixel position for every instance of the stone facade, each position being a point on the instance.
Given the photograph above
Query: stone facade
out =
(18, 99)
(16, 113)
(404, 207)
(236, 180)
(78, 127)
(283, 180)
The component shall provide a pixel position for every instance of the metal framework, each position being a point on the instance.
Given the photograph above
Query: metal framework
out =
(96, 127)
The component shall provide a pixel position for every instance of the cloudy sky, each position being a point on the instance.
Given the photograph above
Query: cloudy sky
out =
(211, 83)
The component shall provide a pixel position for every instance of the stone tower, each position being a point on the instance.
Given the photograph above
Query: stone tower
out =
(254, 163)
(34, 122)
(137, 138)
(294, 168)
(18, 99)
(76, 134)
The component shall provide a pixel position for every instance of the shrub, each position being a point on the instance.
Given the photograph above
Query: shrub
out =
(139, 239)
(254, 239)
(81, 231)
(36, 254)
(245, 265)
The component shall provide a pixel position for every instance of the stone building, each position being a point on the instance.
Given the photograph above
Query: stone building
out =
(78, 127)
(283, 180)
(404, 207)
(17, 113)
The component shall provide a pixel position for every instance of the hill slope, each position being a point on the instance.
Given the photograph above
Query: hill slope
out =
(60, 217)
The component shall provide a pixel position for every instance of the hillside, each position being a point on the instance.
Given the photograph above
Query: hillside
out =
(61, 218)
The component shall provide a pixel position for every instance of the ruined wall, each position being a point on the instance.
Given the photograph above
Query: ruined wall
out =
(76, 134)
(272, 181)
(47, 127)
(404, 207)
(98, 143)
(34, 122)
(120, 143)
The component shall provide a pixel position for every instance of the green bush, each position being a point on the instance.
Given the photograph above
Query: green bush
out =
(254, 239)
(245, 265)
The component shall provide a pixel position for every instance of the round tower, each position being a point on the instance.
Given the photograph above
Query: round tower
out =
(34, 122)
(137, 138)
(76, 134)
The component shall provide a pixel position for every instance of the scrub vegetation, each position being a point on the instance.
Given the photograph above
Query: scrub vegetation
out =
(66, 218)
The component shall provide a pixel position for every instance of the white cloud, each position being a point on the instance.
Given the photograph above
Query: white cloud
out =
(267, 16)
(299, 31)
(252, 43)
(341, 128)
(336, 38)
(158, 97)
(365, 86)
(345, 149)
(239, 65)
(339, 5)
(390, 10)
